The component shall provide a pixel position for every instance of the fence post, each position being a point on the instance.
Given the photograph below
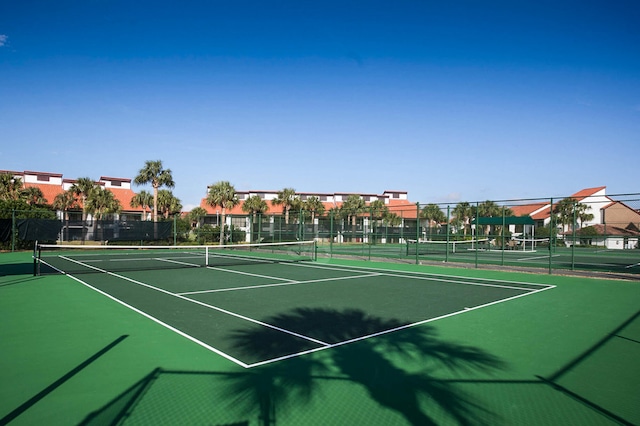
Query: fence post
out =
(417, 233)
(475, 231)
(501, 236)
(331, 234)
(552, 231)
(300, 226)
(175, 230)
(448, 239)
(573, 232)
(13, 230)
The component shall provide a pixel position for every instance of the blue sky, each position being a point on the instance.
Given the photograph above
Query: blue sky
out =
(450, 101)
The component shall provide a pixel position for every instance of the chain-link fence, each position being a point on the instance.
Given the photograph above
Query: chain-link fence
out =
(19, 230)
(595, 233)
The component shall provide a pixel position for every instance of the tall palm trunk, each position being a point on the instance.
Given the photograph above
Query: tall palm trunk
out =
(223, 215)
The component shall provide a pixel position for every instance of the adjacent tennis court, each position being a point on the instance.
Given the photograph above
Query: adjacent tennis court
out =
(212, 295)
(533, 254)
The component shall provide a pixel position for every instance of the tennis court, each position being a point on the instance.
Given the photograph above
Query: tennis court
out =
(536, 255)
(565, 258)
(214, 298)
(276, 335)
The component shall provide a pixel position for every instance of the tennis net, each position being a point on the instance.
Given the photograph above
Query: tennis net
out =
(76, 259)
(427, 248)
(529, 244)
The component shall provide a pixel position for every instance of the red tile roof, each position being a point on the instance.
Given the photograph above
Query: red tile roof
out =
(609, 230)
(582, 194)
(125, 196)
(402, 208)
(527, 209)
(49, 192)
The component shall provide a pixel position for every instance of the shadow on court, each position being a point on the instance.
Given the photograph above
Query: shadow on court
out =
(365, 382)
(412, 377)
(16, 269)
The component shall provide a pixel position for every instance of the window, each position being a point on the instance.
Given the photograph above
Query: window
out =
(238, 221)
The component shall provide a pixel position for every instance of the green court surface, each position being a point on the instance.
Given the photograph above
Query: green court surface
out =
(316, 342)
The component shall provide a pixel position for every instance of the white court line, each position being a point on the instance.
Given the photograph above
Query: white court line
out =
(632, 266)
(176, 261)
(292, 282)
(429, 276)
(82, 263)
(217, 268)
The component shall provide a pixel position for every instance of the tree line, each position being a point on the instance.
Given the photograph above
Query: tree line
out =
(86, 195)
(93, 199)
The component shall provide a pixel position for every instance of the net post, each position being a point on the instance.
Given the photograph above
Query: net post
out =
(36, 257)
(206, 256)
(13, 230)
(446, 253)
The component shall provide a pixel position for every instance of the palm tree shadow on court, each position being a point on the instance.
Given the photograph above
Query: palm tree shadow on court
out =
(399, 371)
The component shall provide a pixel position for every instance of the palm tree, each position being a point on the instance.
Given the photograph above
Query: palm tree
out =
(314, 206)
(288, 199)
(153, 173)
(143, 199)
(582, 215)
(65, 201)
(564, 211)
(463, 213)
(100, 203)
(33, 196)
(195, 216)
(378, 211)
(352, 206)
(392, 219)
(569, 209)
(83, 187)
(433, 214)
(254, 205)
(168, 204)
(222, 194)
(10, 187)
(488, 209)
